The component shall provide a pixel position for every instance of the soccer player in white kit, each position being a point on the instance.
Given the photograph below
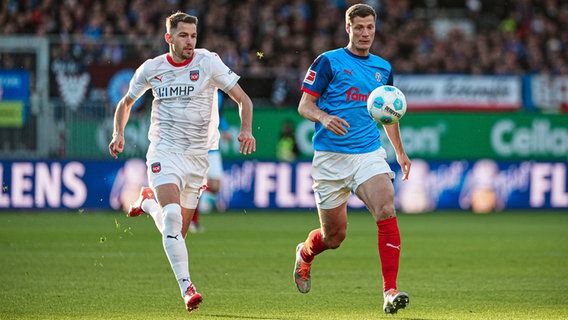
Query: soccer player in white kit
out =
(183, 128)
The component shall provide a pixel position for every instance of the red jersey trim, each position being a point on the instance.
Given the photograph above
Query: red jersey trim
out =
(313, 93)
(175, 64)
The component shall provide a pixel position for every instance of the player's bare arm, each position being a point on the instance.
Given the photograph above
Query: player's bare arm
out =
(308, 109)
(247, 140)
(121, 116)
(393, 132)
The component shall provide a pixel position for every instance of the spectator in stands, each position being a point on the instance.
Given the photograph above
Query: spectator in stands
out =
(508, 37)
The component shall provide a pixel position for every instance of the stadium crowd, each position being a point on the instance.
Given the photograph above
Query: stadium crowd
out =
(255, 37)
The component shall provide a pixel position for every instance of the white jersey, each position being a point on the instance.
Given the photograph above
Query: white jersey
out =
(185, 115)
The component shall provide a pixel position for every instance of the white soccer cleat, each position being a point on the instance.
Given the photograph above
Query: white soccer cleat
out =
(395, 301)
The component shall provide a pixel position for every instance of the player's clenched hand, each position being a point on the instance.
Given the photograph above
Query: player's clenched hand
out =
(248, 143)
(116, 145)
(335, 125)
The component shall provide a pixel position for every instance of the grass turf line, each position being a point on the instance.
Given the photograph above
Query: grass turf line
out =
(454, 266)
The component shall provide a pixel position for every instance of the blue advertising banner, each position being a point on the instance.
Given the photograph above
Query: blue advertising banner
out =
(14, 84)
(58, 184)
(482, 186)
(14, 97)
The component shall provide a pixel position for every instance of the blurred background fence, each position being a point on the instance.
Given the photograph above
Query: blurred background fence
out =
(486, 84)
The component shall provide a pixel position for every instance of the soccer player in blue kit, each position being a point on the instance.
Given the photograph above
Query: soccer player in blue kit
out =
(348, 154)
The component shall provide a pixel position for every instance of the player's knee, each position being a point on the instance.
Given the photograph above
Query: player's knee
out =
(334, 240)
(172, 219)
(387, 211)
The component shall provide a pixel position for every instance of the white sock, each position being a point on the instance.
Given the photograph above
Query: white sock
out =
(174, 243)
(184, 284)
(151, 207)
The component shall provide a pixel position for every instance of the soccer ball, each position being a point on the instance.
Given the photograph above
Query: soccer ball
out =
(386, 105)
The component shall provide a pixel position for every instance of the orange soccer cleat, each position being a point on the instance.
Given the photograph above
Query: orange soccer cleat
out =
(302, 276)
(136, 208)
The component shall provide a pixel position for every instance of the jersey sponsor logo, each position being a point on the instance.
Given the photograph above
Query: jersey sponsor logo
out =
(194, 75)
(378, 76)
(310, 77)
(156, 167)
(176, 91)
(354, 95)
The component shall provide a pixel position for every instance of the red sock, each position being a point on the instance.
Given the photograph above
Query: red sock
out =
(313, 246)
(389, 251)
(195, 218)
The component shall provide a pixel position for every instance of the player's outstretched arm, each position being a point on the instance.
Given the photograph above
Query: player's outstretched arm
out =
(247, 140)
(308, 109)
(393, 132)
(121, 116)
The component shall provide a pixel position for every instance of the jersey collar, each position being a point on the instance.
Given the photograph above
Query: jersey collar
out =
(356, 56)
(181, 64)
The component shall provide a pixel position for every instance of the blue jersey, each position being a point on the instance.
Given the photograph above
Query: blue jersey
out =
(342, 82)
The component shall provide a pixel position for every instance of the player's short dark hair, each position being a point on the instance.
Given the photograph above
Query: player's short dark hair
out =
(359, 10)
(174, 19)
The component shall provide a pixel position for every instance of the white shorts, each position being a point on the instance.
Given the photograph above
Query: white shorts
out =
(215, 165)
(336, 175)
(186, 171)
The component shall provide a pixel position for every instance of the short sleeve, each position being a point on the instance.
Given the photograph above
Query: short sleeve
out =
(318, 77)
(139, 83)
(223, 77)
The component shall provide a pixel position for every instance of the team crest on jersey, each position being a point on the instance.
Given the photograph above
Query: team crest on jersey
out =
(156, 167)
(310, 77)
(194, 75)
(378, 76)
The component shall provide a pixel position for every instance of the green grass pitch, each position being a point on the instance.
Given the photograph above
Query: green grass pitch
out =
(454, 265)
